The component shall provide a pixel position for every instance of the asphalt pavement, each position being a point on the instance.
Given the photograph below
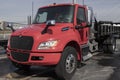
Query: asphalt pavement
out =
(100, 67)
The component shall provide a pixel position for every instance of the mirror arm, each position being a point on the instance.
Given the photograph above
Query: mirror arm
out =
(79, 27)
(45, 30)
(88, 25)
(48, 23)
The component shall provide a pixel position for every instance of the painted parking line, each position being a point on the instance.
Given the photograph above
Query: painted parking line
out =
(3, 56)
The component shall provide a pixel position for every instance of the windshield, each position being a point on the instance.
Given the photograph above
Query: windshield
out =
(61, 14)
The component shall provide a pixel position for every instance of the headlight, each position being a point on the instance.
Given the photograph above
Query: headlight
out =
(48, 44)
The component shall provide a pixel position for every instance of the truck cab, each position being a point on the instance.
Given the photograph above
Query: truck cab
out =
(58, 37)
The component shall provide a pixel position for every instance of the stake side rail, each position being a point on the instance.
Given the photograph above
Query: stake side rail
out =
(106, 28)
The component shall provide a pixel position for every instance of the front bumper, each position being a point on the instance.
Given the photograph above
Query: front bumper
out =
(42, 59)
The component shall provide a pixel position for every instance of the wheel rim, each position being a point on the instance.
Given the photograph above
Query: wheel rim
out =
(70, 63)
(113, 46)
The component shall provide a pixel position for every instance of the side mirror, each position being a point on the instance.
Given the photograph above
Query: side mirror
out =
(90, 16)
(50, 23)
(11, 27)
(82, 25)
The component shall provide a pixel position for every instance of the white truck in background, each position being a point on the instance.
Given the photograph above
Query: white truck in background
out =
(5, 31)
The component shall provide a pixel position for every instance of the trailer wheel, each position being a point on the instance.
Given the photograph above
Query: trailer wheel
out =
(21, 66)
(112, 46)
(68, 64)
(105, 48)
(109, 45)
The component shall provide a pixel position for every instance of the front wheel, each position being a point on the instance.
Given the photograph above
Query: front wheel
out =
(68, 64)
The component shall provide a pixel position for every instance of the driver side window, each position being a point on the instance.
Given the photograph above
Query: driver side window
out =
(81, 15)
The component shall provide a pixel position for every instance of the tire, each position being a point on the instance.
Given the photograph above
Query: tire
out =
(112, 46)
(21, 66)
(68, 64)
(105, 48)
(109, 45)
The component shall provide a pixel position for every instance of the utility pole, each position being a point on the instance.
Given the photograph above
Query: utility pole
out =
(32, 10)
(29, 20)
(83, 2)
(74, 1)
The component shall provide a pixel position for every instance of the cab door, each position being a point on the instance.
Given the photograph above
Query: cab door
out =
(82, 23)
(83, 29)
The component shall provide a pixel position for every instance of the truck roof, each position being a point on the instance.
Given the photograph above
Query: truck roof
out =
(54, 4)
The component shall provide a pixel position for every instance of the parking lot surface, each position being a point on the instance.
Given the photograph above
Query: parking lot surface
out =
(102, 66)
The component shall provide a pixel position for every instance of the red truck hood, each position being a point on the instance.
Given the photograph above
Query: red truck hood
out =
(36, 29)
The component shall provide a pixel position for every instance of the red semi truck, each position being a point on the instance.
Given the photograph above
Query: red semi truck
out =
(63, 36)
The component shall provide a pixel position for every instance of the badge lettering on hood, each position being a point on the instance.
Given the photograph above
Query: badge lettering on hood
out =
(65, 28)
(20, 35)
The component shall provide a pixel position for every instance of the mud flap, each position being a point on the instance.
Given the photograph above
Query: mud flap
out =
(85, 52)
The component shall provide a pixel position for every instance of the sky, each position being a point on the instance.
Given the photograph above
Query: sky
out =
(18, 10)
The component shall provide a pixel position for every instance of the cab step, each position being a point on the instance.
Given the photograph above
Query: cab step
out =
(88, 56)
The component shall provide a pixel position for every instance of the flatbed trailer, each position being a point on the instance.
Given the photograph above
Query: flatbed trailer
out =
(107, 28)
(106, 33)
